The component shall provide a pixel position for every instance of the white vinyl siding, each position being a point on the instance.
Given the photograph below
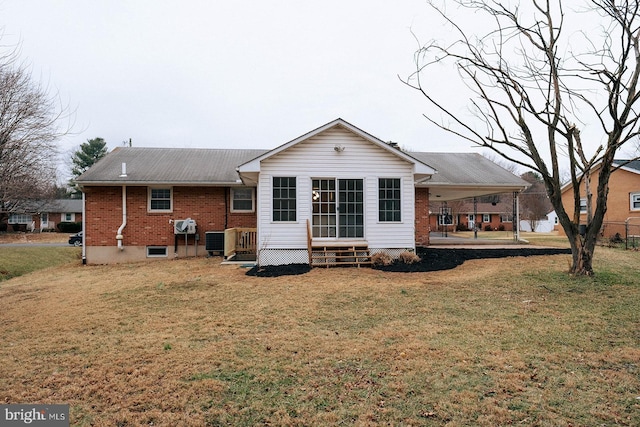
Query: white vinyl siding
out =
(317, 158)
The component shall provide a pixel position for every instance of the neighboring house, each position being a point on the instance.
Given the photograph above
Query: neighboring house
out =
(463, 215)
(333, 188)
(623, 202)
(46, 215)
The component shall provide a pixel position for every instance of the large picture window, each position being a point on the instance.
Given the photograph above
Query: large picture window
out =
(160, 200)
(389, 200)
(242, 199)
(19, 218)
(284, 198)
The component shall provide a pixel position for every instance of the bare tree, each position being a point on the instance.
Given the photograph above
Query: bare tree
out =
(29, 129)
(534, 203)
(533, 89)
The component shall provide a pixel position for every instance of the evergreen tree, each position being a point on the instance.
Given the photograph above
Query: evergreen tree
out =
(85, 157)
(88, 153)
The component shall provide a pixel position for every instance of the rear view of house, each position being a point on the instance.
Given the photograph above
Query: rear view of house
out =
(335, 192)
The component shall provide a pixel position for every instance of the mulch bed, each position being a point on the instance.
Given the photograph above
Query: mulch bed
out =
(433, 259)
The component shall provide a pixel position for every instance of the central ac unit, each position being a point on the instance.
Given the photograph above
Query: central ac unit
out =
(184, 226)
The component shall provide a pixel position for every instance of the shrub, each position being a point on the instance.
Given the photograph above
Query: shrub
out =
(19, 227)
(487, 227)
(462, 227)
(617, 238)
(70, 227)
(501, 227)
(409, 258)
(3, 226)
(380, 259)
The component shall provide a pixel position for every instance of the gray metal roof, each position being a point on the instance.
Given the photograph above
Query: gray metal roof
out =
(52, 206)
(168, 166)
(459, 175)
(467, 169)
(629, 164)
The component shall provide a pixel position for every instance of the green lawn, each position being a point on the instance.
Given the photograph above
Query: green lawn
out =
(16, 261)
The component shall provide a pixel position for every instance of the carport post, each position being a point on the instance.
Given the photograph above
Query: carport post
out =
(516, 216)
(475, 218)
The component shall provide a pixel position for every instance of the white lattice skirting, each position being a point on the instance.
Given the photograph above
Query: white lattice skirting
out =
(283, 256)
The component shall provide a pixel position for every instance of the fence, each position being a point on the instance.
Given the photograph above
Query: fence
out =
(627, 232)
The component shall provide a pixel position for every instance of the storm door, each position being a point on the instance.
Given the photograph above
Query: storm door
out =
(338, 208)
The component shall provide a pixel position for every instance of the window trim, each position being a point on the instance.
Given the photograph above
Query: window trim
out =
(253, 200)
(583, 205)
(506, 218)
(149, 199)
(72, 217)
(631, 201)
(399, 210)
(486, 218)
(20, 216)
(273, 199)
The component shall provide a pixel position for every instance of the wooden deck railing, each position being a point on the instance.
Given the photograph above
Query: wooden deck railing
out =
(240, 241)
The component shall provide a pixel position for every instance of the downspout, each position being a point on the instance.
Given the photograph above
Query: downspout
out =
(119, 236)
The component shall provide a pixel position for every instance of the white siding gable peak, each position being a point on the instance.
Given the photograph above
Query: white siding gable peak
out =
(252, 167)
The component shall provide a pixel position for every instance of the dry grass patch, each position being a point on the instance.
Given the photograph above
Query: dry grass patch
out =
(191, 342)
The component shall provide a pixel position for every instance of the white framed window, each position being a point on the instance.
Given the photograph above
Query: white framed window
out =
(506, 218)
(242, 199)
(15, 218)
(157, 252)
(284, 199)
(160, 199)
(583, 205)
(445, 217)
(634, 200)
(68, 217)
(389, 200)
(486, 217)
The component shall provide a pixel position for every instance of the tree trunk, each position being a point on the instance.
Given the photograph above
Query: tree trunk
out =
(582, 248)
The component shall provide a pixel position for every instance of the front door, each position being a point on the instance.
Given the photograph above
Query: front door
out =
(338, 208)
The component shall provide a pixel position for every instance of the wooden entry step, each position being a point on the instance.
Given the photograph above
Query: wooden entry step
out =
(334, 255)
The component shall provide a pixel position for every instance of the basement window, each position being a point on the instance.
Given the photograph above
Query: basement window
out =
(156, 251)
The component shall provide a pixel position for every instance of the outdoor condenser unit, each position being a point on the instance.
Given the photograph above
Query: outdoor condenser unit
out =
(214, 241)
(184, 226)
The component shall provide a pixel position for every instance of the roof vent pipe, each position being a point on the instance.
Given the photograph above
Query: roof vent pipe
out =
(123, 174)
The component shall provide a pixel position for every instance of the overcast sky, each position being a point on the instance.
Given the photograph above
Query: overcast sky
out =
(220, 74)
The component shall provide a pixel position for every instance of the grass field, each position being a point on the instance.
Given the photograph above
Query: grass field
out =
(191, 342)
(16, 261)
